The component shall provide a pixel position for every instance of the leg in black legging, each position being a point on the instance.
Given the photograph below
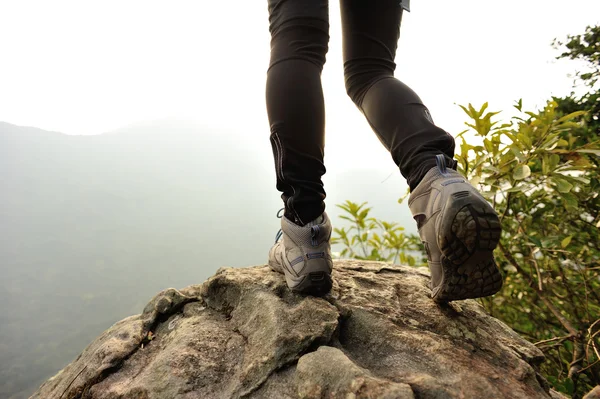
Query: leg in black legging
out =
(299, 42)
(371, 30)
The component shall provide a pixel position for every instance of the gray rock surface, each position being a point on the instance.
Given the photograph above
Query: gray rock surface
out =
(242, 334)
(593, 394)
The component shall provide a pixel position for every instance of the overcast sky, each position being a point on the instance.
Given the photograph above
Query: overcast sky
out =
(82, 67)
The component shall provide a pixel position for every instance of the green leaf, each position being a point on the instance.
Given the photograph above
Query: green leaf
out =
(489, 146)
(595, 152)
(566, 241)
(521, 172)
(465, 109)
(569, 386)
(580, 179)
(545, 165)
(571, 203)
(342, 232)
(525, 137)
(553, 161)
(346, 218)
(536, 241)
(363, 214)
(519, 104)
(572, 115)
(515, 150)
(483, 108)
(567, 126)
(515, 189)
(562, 185)
(511, 136)
(474, 113)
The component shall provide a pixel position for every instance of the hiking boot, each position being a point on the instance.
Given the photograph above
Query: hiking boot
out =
(303, 255)
(460, 230)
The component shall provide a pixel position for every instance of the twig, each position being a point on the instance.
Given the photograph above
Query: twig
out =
(578, 358)
(589, 366)
(593, 336)
(555, 250)
(560, 339)
(558, 345)
(537, 269)
(507, 207)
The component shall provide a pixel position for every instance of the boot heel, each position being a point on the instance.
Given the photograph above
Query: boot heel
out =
(315, 283)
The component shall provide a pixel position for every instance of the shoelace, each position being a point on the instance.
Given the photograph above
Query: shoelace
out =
(280, 232)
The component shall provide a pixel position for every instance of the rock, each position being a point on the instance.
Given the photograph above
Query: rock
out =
(243, 334)
(108, 351)
(594, 393)
(557, 395)
(277, 333)
(328, 373)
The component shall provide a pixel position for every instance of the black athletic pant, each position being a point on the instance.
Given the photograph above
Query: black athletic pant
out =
(299, 41)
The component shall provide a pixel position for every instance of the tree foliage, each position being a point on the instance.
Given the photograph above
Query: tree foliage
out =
(540, 171)
(542, 179)
(584, 47)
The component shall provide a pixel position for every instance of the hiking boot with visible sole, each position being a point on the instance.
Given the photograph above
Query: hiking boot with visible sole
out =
(460, 230)
(303, 255)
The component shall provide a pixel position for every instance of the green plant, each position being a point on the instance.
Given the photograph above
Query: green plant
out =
(373, 239)
(541, 178)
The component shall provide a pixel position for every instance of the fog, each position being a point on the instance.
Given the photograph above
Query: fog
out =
(93, 226)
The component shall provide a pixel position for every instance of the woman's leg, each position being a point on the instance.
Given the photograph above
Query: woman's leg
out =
(299, 42)
(397, 115)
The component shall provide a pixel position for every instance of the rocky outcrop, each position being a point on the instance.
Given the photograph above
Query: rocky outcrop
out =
(593, 394)
(242, 334)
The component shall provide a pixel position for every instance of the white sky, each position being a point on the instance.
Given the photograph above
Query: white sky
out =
(82, 67)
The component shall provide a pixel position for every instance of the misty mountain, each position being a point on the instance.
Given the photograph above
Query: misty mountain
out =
(91, 227)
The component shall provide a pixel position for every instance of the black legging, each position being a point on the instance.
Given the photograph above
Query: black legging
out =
(299, 42)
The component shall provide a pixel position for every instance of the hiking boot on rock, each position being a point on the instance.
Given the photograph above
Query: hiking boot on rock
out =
(303, 255)
(460, 230)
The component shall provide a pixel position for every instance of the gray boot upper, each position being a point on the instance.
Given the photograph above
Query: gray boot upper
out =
(303, 254)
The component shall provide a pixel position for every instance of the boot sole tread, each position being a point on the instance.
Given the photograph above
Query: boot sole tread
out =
(467, 248)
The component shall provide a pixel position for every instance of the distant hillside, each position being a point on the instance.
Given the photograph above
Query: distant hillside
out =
(92, 226)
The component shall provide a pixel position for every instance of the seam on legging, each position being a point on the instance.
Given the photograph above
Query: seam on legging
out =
(283, 175)
(278, 167)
